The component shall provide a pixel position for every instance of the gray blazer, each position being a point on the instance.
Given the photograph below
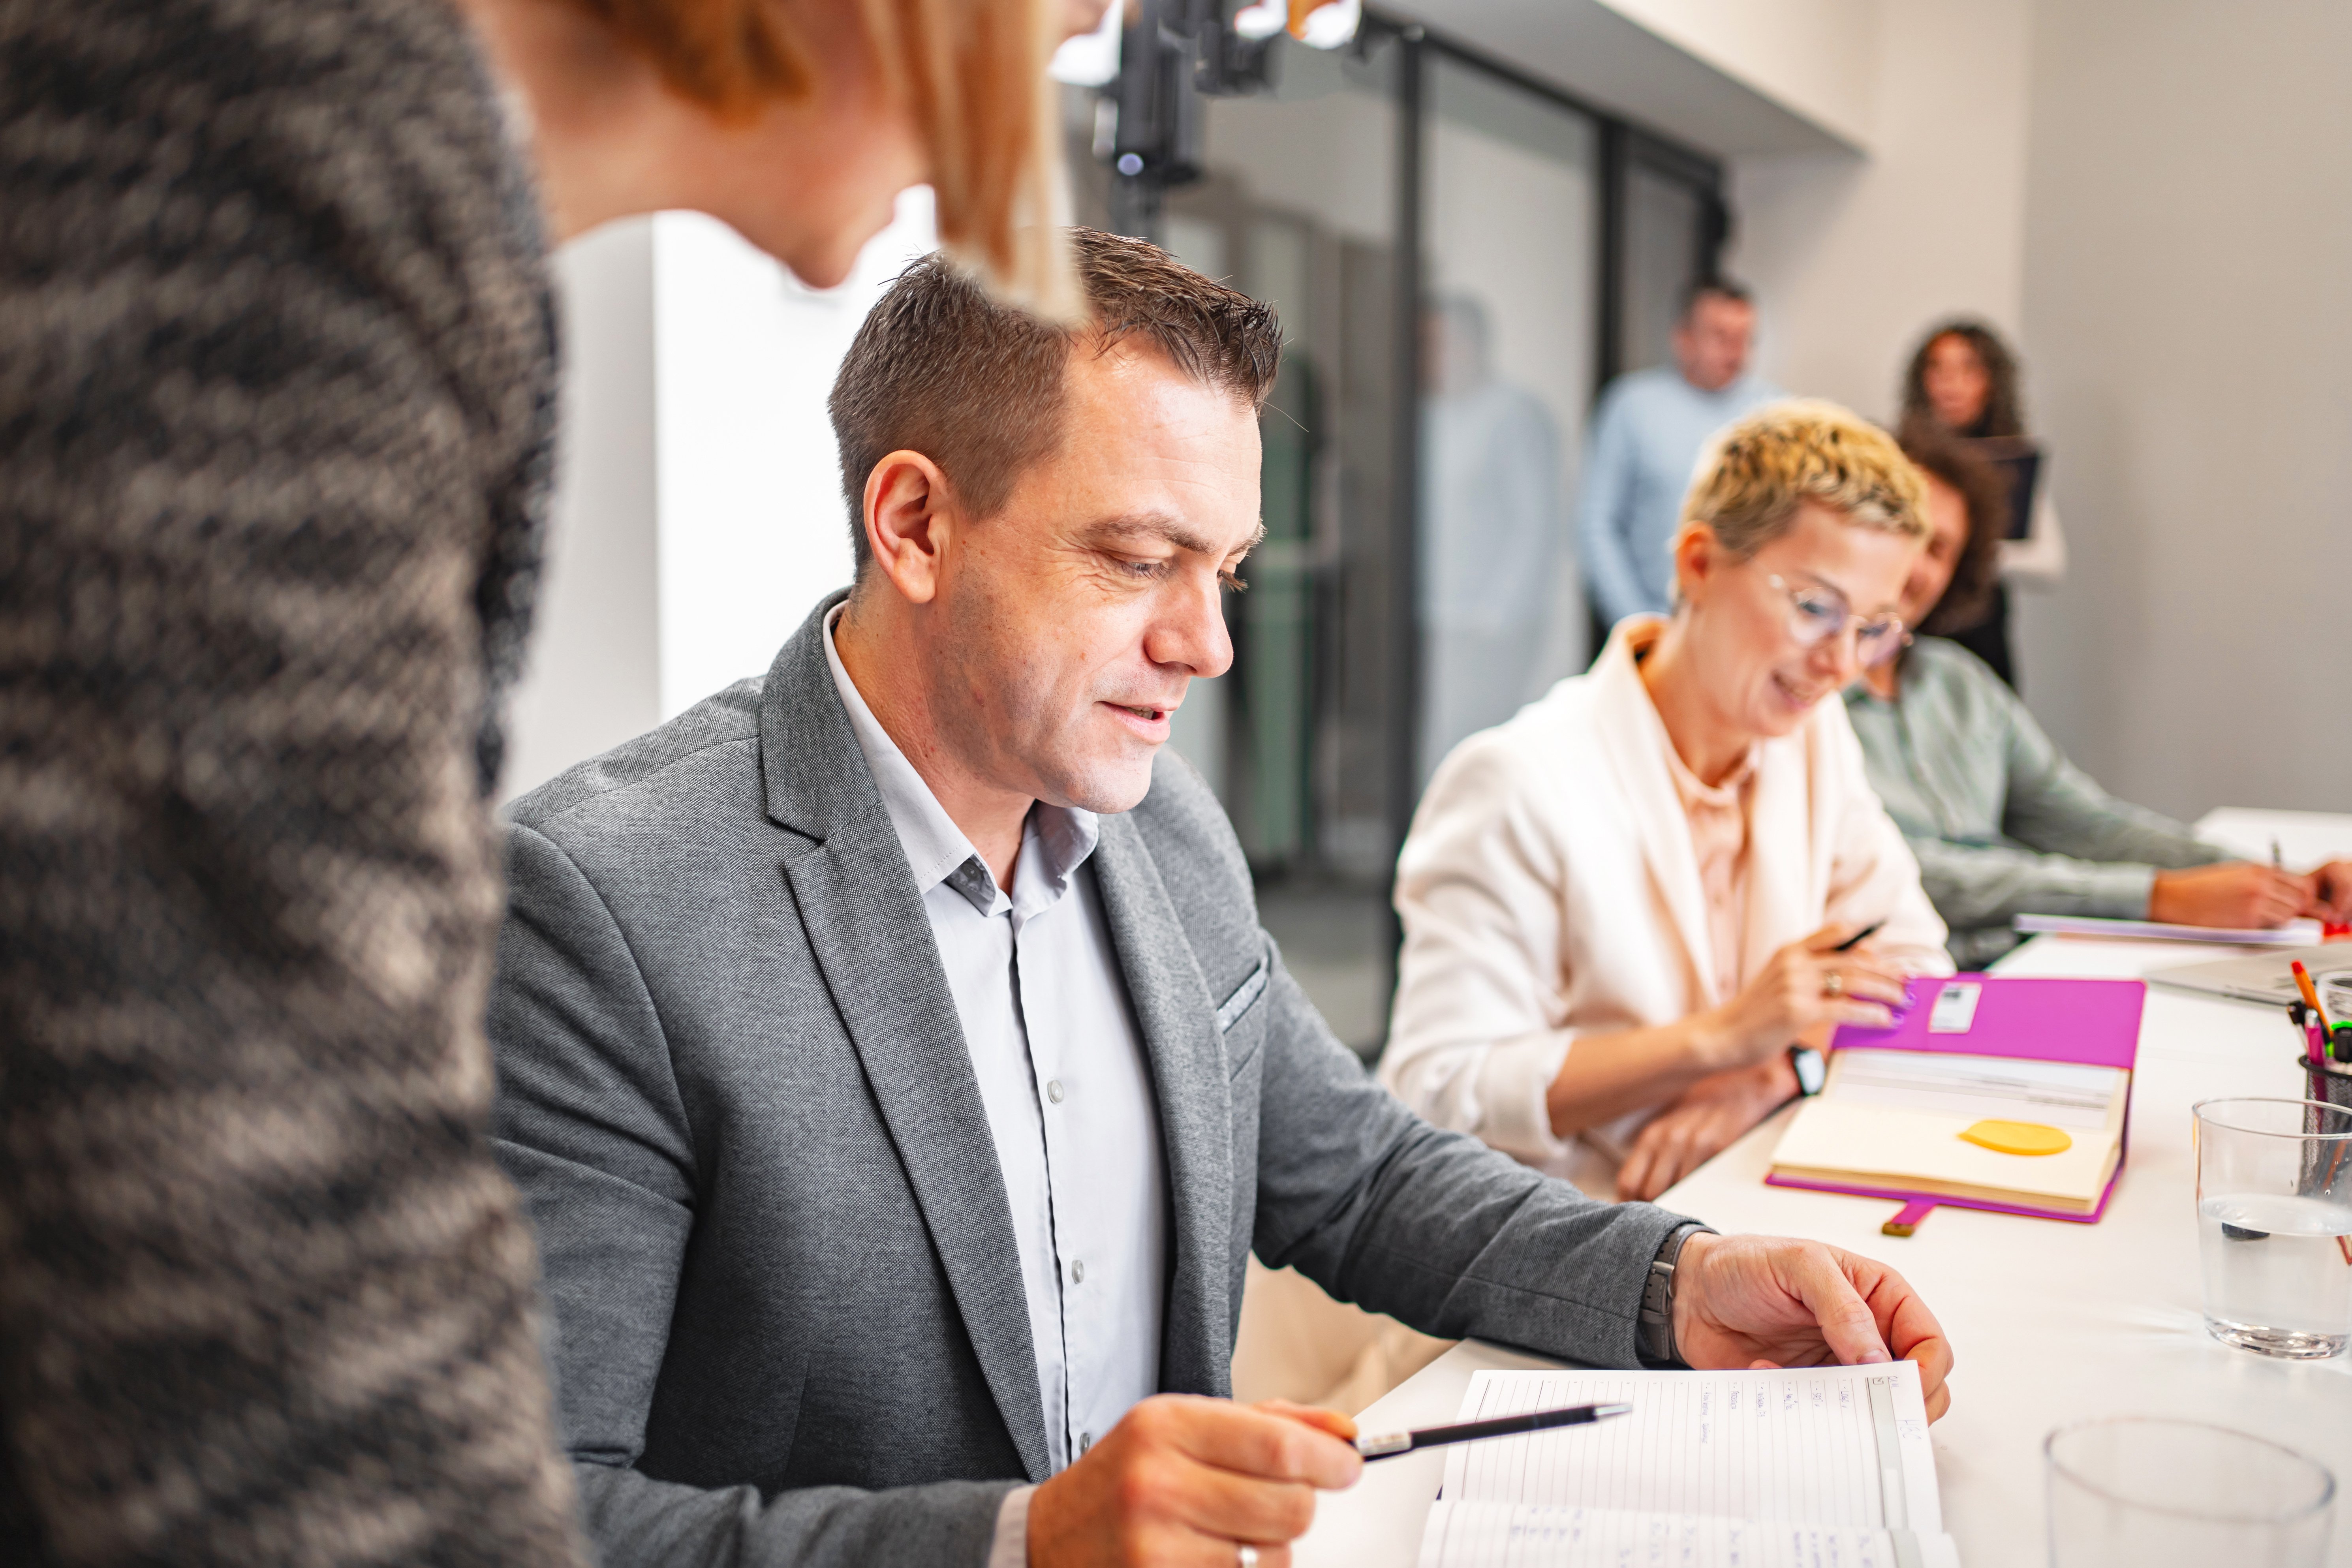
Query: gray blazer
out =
(788, 1325)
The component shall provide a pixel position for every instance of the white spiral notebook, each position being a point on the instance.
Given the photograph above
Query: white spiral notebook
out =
(1811, 1468)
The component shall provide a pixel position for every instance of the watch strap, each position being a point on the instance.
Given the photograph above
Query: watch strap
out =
(1656, 1332)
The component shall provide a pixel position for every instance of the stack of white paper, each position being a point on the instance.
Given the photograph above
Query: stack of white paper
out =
(1801, 1469)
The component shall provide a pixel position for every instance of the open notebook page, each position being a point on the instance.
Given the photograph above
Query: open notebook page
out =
(1896, 1118)
(2078, 1095)
(1509, 1535)
(1836, 1446)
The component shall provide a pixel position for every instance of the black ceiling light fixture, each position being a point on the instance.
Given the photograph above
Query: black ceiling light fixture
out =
(1173, 54)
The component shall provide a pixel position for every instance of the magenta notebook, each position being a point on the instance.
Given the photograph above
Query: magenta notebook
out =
(2096, 1022)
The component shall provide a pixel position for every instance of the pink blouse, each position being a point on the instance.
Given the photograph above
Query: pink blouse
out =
(1719, 830)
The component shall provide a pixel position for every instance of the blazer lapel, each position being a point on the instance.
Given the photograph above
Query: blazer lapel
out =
(1177, 1017)
(865, 924)
(1632, 735)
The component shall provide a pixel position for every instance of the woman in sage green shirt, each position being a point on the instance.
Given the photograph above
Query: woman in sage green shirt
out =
(2002, 824)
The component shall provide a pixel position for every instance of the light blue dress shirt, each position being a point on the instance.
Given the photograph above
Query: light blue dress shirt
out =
(1066, 1083)
(1646, 440)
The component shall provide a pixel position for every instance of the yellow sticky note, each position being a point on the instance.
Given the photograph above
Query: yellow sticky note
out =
(2018, 1138)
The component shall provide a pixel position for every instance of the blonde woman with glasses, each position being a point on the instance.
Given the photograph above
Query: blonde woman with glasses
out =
(1631, 910)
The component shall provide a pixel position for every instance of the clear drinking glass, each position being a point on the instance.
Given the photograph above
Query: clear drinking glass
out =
(2140, 1492)
(2275, 1224)
(2335, 991)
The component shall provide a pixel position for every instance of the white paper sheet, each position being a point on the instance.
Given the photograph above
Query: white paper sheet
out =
(1837, 1455)
(2294, 933)
(1504, 1535)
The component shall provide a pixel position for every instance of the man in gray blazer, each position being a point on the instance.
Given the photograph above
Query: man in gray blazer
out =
(897, 1070)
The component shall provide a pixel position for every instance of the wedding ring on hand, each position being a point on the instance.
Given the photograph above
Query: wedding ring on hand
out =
(1247, 1557)
(1833, 984)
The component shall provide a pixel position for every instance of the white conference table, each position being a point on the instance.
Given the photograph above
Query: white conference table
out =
(2049, 1322)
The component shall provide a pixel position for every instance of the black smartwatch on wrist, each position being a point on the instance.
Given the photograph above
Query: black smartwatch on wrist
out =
(1655, 1333)
(1811, 1072)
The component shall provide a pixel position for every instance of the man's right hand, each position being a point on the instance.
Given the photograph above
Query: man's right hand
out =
(2237, 894)
(1187, 1481)
(1794, 993)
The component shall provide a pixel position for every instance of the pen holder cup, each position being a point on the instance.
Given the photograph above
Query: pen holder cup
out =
(2330, 1083)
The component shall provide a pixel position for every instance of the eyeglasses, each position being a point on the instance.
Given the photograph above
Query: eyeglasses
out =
(1817, 614)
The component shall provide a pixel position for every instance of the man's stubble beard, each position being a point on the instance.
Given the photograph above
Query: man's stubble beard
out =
(1025, 724)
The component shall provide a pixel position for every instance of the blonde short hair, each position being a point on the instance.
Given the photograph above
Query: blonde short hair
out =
(1757, 473)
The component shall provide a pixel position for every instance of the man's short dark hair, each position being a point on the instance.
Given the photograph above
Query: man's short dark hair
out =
(977, 385)
(1712, 289)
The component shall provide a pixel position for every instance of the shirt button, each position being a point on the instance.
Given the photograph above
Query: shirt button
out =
(1077, 1271)
(1086, 1441)
(1054, 1090)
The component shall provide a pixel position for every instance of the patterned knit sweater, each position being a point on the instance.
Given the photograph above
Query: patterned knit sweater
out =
(275, 394)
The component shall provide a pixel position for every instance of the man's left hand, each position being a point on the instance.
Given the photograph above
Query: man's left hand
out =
(1745, 1302)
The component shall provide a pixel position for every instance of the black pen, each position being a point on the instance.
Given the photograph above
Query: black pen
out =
(1858, 938)
(1388, 1446)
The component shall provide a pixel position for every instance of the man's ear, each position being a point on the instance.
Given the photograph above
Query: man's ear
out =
(910, 518)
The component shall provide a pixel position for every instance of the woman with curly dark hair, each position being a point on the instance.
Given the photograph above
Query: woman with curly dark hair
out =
(2001, 823)
(1963, 379)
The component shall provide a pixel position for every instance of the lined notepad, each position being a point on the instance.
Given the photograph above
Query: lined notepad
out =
(1800, 1467)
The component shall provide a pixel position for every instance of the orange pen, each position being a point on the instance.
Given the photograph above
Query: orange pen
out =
(2311, 999)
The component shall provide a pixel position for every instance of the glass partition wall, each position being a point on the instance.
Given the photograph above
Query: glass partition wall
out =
(1461, 256)
(1512, 191)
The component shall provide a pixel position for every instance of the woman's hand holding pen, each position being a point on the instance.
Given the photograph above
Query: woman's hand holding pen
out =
(1808, 984)
(2235, 894)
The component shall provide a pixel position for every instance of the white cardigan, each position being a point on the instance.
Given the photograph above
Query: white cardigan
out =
(1549, 888)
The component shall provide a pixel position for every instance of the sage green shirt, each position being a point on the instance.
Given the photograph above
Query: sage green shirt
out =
(2003, 824)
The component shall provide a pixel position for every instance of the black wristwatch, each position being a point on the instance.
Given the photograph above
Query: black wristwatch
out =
(1811, 1069)
(1656, 1336)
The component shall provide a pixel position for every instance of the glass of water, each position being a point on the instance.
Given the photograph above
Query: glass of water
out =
(2140, 1492)
(2275, 1224)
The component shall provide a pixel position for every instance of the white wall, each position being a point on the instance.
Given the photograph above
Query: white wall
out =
(698, 511)
(2188, 245)
(1819, 57)
(753, 529)
(1851, 257)
(593, 674)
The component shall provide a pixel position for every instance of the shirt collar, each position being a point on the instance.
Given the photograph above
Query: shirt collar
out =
(1054, 843)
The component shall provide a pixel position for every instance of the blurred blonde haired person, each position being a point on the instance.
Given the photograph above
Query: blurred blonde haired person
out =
(278, 387)
(1624, 907)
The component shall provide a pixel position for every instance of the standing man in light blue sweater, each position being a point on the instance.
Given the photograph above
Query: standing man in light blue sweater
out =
(1646, 440)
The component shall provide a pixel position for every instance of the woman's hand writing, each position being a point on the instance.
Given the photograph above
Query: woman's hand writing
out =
(2237, 894)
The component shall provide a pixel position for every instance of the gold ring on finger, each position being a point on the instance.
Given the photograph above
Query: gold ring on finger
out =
(1832, 984)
